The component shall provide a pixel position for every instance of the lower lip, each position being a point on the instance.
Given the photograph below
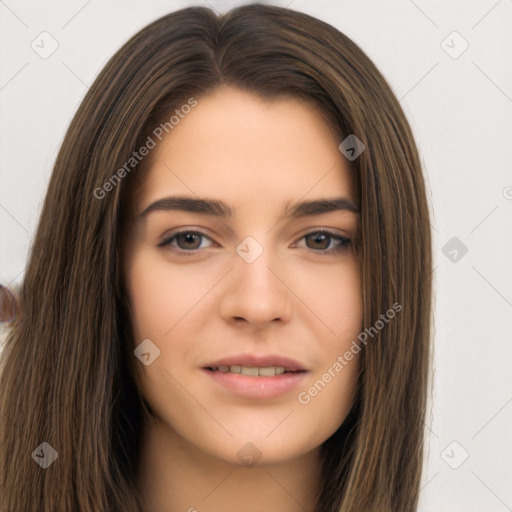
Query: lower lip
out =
(257, 387)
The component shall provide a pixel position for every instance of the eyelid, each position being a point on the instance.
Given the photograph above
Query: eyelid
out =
(344, 240)
(173, 234)
(333, 234)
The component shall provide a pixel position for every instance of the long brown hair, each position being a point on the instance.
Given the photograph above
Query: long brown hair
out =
(67, 367)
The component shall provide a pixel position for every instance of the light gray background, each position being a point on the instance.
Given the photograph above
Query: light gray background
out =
(459, 109)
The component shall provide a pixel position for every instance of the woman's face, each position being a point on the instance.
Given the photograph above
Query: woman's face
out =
(256, 290)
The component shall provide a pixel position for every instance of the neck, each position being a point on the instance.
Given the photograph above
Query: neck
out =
(175, 476)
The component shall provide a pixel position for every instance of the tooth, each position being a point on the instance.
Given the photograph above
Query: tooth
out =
(249, 370)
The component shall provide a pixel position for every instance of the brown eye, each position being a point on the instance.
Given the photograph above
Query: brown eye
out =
(188, 240)
(326, 242)
(318, 240)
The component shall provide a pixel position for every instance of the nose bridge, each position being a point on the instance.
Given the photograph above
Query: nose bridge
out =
(256, 294)
(254, 263)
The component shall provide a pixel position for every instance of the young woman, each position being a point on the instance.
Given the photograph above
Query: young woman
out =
(227, 304)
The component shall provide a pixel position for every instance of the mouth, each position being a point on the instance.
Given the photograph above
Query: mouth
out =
(256, 377)
(255, 365)
(253, 371)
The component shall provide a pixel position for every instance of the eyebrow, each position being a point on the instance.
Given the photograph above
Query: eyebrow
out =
(222, 209)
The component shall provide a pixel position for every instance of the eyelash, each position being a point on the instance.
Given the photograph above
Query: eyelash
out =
(344, 242)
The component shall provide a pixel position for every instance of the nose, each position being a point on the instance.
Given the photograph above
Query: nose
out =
(256, 294)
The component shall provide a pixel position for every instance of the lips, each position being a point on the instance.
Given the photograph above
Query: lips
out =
(257, 361)
(256, 377)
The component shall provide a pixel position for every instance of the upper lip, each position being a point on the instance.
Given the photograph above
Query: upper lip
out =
(261, 361)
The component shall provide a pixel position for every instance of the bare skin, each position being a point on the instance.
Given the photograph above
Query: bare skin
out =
(210, 448)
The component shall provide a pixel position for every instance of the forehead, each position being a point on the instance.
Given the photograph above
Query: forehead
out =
(248, 150)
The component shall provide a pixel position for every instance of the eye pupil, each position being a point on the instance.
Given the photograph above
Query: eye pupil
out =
(321, 238)
(188, 238)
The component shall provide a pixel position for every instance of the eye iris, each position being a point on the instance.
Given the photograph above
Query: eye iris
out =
(321, 238)
(188, 238)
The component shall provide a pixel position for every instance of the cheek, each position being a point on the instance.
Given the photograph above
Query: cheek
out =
(148, 306)
(333, 293)
(160, 296)
(162, 303)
